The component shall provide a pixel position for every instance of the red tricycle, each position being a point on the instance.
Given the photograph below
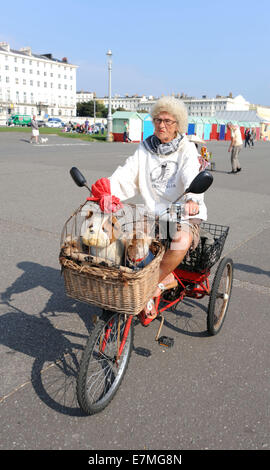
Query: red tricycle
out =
(109, 346)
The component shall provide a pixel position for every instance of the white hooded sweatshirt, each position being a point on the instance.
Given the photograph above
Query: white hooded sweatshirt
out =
(160, 179)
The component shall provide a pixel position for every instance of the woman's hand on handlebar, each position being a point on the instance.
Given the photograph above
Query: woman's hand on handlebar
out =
(191, 208)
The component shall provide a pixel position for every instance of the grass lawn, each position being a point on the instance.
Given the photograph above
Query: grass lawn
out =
(55, 131)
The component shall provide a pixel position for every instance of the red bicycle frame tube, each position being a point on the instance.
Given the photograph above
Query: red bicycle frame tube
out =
(198, 286)
(124, 338)
(125, 334)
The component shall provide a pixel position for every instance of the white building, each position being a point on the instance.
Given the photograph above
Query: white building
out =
(196, 106)
(129, 103)
(36, 84)
(85, 96)
(208, 107)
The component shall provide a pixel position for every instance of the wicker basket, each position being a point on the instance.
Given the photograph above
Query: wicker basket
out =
(112, 288)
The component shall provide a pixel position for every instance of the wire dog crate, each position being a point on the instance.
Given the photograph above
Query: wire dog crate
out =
(102, 282)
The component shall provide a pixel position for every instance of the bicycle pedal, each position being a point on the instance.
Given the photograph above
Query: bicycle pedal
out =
(166, 341)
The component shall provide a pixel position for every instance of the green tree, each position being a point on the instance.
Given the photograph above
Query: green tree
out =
(87, 109)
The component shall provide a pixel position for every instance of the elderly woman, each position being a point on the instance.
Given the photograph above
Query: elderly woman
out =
(160, 170)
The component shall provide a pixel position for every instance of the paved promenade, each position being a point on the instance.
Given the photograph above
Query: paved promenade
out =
(205, 392)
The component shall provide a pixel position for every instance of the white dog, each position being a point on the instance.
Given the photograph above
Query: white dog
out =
(43, 140)
(102, 234)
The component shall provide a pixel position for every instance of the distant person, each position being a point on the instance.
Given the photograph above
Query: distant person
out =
(126, 132)
(102, 128)
(35, 130)
(247, 137)
(235, 147)
(252, 137)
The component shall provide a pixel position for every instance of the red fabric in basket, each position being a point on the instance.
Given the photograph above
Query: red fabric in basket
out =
(101, 191)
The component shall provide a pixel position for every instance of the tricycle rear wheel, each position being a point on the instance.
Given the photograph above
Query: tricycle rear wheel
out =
(220, 296)
(101, 370)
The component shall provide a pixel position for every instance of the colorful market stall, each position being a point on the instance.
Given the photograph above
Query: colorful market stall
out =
(195, 126)
(147, 125)
(210, 129)
(244, 119)
(191, 127)
(134, 122)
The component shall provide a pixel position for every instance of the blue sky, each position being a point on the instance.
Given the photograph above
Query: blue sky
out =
(198, 47)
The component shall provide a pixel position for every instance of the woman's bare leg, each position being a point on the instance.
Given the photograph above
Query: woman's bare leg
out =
(174, 256)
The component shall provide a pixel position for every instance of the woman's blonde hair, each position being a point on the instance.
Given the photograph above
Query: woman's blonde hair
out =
(175, 107)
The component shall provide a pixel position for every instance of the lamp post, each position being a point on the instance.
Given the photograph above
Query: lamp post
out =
(109, 117)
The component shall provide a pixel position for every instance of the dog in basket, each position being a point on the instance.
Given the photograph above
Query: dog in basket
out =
(101, 235)
(138, 250)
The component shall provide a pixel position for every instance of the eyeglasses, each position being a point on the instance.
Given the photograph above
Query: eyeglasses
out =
(167, 122)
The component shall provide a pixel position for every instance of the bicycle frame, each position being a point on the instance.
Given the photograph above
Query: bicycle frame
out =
(123, 342)
(193, 284)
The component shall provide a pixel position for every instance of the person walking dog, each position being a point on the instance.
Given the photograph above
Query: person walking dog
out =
(35, 130)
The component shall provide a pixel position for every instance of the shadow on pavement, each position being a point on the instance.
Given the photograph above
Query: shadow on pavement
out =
(56, 352)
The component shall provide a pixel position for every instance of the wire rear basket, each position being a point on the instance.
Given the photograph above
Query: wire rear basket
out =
(209, 249)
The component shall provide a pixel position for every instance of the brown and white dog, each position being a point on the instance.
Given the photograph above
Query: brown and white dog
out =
(102, 234)
(138, 253)
(70, 246)
(138, 250)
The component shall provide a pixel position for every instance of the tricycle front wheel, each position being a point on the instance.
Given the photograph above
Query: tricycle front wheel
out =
(104, 361)
(220, 296)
